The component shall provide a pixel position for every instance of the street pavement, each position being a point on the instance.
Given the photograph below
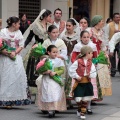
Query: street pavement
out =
(108, 109)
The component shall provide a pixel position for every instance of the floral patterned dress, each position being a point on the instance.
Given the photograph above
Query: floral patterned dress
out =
(13, 81)
(103, 80)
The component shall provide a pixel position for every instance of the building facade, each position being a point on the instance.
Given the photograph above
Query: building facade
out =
(70, 8)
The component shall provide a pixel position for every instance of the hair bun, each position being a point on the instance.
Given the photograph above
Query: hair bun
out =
(8, 20)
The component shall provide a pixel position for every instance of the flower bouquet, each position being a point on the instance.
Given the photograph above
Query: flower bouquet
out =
(9, 49)
(1, 44)
(45, 65)
(102, 58)
(38, 51)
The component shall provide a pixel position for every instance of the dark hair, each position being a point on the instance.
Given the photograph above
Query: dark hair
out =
(84, 31)
(108, 20)
(22, 14)
(88, 21)
(50, 47)
(12, 20)
(115, 14)
(58, 10)
(45, 14)
(71, 21)
(51, 27)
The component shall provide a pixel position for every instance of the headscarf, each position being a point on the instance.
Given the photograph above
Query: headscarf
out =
(95, 20)
(77, 27)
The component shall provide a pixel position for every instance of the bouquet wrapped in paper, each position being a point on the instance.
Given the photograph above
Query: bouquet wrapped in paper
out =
(45, 65)
(37, 51)
(9, 49)
(102, 58)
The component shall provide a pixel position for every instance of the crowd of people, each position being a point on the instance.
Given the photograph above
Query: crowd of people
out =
(83, 55)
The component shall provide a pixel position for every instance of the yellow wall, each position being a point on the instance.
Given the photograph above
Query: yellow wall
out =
(100, 7)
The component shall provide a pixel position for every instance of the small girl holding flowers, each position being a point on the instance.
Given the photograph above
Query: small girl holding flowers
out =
(51, 94)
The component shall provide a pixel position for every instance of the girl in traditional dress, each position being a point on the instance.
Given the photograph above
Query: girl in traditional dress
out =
(13, 89)
(51, 95)
(84, 23)
(82, 70)
(85, 41)
(98, 38)
(38, 30)
(53, 39)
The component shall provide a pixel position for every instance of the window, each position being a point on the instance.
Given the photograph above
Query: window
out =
(30, 7)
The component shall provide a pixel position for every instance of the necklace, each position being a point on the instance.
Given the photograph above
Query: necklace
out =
(97, 29)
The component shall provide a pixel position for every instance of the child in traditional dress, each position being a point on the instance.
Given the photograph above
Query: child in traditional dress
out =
(12, 74)
(85, 41)
(82, 70)
(51, 95)
(53, 39)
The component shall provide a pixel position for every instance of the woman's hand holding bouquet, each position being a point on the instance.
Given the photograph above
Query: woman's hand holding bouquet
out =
(38, 50)
(7, 50)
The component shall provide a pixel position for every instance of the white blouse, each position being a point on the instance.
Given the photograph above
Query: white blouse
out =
(74, 66)
(114, 40)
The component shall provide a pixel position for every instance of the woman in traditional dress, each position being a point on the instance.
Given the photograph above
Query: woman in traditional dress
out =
(13, 89)
(84, 23)
(98, 38)
(71, 37)
(37, 29)
(51, 95)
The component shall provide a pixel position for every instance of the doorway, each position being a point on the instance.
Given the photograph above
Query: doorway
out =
(81, 8)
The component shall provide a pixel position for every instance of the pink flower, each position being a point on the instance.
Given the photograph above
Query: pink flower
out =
(34, 46)
(1, 44)
(40, 64)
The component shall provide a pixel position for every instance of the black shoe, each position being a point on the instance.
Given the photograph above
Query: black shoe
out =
(56, 111)
(51, 114)
(93, 103)
(89, 111)
(44, 111)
